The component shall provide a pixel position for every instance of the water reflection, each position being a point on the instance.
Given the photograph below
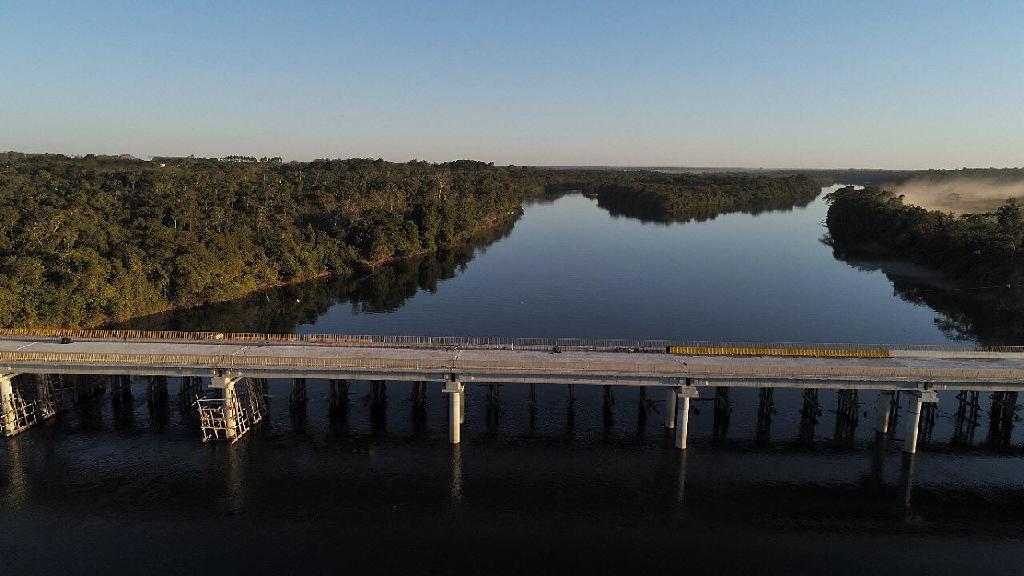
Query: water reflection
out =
(990, 315)
(455, 485)
(680, 475)
(569, 268)
(282, 310)
(619, 207)
(17, 481)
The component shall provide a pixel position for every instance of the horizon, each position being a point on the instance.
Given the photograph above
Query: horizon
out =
(129, 156)
(733, 85)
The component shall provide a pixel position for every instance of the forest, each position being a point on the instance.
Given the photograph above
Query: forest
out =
(92, 240)
(984, 247)
(661, 197)
(99, 240)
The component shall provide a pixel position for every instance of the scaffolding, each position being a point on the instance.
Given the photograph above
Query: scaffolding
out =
(18, 414)
(230, 416)
(49, 396)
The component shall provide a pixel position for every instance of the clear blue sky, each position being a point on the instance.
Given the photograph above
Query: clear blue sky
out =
(718, 83)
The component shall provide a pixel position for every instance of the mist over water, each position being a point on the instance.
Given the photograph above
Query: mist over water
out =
(960, 195)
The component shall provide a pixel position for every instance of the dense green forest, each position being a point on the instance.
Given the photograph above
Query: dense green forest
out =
(92, 240)
(682, 197)
(99, 240)
(986, 248)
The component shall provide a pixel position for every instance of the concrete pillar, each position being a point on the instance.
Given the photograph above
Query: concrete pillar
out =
(670, 407)
(8, 407)
(456, 393)
(227, 383)
(883, 406)
(682, 420)
(462, 404)
(914, 417)
(682, 416)
(297, 395)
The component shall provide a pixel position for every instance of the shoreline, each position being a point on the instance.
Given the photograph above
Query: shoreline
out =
(360, 270)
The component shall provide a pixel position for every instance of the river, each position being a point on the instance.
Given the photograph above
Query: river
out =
(588, 484)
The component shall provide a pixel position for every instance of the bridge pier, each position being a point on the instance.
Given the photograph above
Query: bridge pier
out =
(670, 407)
(1001, 416)
(337, 402)
(8, 405)
(157, 391)
(297, 395)
(765, 411)
(419, 395)
(120, 390)
(682, 416)
(232, 406)
(16, 415)
(883, 406)
(456, 411)
(809, 413)
(45, 407)
(723, 410)
(226, 417)
(917, 398)
(190, 388)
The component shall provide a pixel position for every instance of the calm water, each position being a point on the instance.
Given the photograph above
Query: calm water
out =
(584, 486)
(571, 269)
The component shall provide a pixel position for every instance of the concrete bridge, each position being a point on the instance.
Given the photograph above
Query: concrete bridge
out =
(235, 364)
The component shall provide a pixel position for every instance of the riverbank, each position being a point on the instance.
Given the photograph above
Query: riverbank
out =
(978, 249)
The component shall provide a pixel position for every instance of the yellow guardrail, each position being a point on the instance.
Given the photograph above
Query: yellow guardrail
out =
(778, 351)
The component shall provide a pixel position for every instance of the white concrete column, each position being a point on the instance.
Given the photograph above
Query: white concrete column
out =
(683, 414)
(8, 409)
(683, 420)
(462, 404)
(456, 393)
(670, 406)
(883, 406)
(914, 417)
(231, 406)
(224, 381)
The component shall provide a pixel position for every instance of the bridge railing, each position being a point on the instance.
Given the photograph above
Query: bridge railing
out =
(476, 342)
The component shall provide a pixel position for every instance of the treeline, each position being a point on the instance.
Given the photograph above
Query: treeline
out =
(86, 241)
(983, 247)
(664, 197)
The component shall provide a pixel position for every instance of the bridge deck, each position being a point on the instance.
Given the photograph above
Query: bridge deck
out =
(902, 369)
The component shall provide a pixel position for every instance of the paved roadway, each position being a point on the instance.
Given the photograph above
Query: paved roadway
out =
(904, 369)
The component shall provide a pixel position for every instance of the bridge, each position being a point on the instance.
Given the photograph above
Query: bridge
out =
(235, 364)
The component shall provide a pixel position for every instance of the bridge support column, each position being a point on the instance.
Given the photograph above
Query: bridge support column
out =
(337, 402)
(913, 418)
(683, 395)
(8, 406)
(297, 395)
(456, 394)
(16, 415)
(234, 422)
(883, 406)
(670, 407)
